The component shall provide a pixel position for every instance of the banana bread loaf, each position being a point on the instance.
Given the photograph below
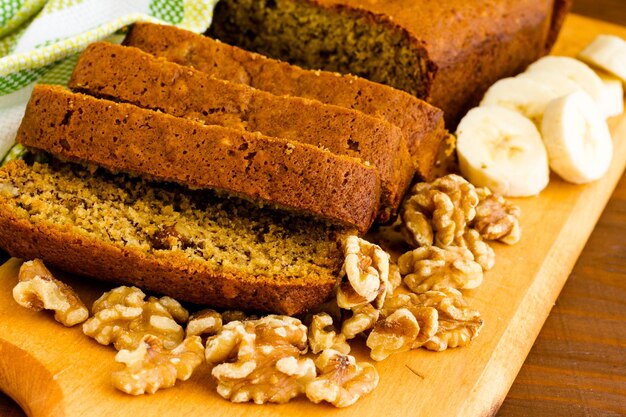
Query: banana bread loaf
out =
(131, 75)
(421, 123)
(193, 246)
(131, 139)
(447, 52)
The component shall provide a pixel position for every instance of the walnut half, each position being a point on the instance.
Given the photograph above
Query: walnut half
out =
(260, 360)
(204, 322)
(393, 334)
(496, 218)
(431, 268)
(367, 268)
(323, 335)
(438, 212)
(37, 289)
(458, 323)
(342, 381)
(150, 367)
(123, 317)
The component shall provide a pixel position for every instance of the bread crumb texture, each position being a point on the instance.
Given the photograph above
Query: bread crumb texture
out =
(225, 234)
(323, 37)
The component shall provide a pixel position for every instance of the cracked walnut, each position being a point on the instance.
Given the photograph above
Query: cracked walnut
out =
(37, 289)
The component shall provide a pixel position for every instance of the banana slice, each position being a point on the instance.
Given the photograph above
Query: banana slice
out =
(577, 138)
(612, 103)
(501, 149)
(607, 52)
(524, 95)
(557, 83)
(572, 69)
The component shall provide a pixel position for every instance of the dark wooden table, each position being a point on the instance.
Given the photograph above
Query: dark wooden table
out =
(577, 366)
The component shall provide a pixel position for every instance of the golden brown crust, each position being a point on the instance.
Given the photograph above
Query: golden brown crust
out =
(122, 137)
(421, 123)
(166, 273)
(131, 75)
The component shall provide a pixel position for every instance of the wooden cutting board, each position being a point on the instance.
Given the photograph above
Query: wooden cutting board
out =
(54, 371)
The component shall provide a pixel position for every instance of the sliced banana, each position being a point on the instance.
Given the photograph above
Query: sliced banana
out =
(558, 84)
(524, 95)
(612, 103)
(501, 149)
(577, 138)
(607, 52)
(572, 69)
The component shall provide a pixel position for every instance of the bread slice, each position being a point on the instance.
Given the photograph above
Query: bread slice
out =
(131, 75)
(123, 137)
(421, 123)
(193, 246)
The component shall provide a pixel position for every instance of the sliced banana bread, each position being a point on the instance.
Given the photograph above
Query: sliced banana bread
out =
(447, 52)
(127, 138)
(131, 75)
(421, 123)
(193, 246)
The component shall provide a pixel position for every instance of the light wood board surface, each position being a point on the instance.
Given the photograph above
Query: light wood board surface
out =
(53, 371)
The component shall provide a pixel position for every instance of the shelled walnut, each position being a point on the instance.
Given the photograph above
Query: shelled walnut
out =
(366, 267)
(260, 360)
(458, 322)
(432, 268)
(497, 218)
(342, 381)
(427, 317)
(481, 251)
(178, 312)
(37, 289)
(436, 320)
(395, 279)
(438, 212)
(323, 335)
(363, 318)
(395, 333)
(150, 367)
(204, 322)
(123, 317)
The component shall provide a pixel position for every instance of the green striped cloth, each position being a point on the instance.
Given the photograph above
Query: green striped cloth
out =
(40, 41)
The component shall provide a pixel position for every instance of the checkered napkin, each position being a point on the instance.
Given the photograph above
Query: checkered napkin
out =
(40, 41)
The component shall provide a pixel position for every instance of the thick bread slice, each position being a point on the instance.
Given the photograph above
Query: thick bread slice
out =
(196, 247)
(123, 137)
(131, 75)
(421, 123)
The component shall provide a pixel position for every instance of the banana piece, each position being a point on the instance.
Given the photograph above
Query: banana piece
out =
(524, 95)
(607, 52)
(612, 103)
(558, 84)
(577, 138)
(572, 69)
(501, 149)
